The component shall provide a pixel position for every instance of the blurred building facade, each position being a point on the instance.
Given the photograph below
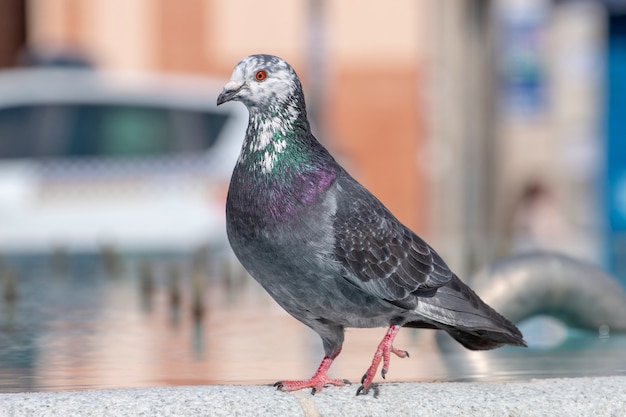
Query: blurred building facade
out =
(446, 110)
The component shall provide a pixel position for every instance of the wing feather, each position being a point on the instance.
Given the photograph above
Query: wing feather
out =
(378, 253)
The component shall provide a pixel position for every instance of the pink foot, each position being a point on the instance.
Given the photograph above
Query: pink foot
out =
(384, 350)
(317, 382)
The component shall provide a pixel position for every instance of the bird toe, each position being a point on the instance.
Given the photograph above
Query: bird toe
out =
(362, 390)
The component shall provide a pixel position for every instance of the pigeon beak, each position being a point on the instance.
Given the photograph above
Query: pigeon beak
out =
(229, 92)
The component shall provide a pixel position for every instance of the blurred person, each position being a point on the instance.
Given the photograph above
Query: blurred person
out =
(537, 222)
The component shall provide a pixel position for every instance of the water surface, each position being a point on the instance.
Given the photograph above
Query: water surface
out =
(152, 321)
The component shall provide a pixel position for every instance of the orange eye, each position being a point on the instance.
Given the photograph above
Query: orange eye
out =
(260, 75)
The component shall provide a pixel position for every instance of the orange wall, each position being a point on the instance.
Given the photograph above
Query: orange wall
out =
(376, 119)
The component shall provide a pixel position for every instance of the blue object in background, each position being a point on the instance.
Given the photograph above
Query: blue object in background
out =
(523, 87)
(616, 146)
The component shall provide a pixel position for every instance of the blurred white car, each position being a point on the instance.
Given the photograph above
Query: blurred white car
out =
(90, 158)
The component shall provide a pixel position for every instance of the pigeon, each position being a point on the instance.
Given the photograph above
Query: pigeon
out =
(324, 247)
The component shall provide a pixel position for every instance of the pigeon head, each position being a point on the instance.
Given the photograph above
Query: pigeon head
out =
(263, 82)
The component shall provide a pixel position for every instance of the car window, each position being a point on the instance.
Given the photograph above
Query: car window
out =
(94, 130)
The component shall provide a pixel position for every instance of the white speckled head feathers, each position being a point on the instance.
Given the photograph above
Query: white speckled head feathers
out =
(262, 81)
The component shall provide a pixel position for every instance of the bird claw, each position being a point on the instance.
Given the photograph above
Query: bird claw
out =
(362, 390)
(366, 385)
(337, 382)
(316, 384)
(400, 353)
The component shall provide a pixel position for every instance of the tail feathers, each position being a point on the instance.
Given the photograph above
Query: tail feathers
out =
(457, 309)
(485, 340)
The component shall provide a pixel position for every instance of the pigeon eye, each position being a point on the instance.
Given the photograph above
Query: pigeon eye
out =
(260, 75)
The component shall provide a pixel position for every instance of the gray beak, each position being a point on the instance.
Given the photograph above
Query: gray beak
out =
(229, 92)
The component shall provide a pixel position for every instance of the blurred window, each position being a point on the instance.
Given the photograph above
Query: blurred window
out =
(95, 130)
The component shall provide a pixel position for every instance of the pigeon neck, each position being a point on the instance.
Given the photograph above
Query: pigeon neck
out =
(281, 170)
(274, 138)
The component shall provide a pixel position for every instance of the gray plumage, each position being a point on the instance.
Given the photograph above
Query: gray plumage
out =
(328, 251)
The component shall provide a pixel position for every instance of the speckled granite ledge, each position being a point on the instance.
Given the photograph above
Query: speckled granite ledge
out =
(593, 396)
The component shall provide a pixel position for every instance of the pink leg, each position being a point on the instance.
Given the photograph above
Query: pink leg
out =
(383, 352)
(317, 381)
